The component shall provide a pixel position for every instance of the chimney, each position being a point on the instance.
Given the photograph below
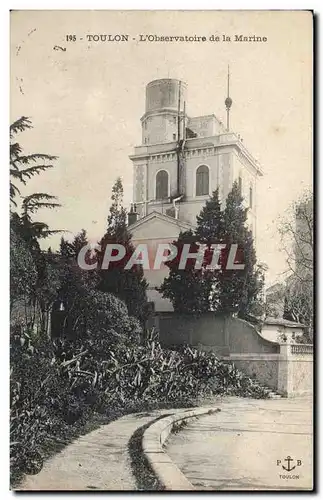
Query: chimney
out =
(132, 215)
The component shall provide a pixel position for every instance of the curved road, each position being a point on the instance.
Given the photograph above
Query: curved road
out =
(238, 448)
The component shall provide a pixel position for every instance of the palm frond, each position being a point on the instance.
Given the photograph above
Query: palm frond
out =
(49, 232)
(39, 197)
(16, 174)
(13, 190)
(37, 206)
(14, 165)
(26, 159)
(15, 149)
(31, 171)
(39, 226)
(20, 125)
(41, 229)
(35, 201)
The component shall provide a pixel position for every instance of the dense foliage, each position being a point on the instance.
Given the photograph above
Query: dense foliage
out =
(195, 290)
(55, 386)
(127, 284)
(77, 343)
(297, 233)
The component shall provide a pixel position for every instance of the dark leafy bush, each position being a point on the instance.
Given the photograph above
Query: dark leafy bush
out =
(55, 386)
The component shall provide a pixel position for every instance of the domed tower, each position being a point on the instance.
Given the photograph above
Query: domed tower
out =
(164, 105)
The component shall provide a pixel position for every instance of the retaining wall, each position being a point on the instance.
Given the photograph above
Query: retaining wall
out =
(285, 368)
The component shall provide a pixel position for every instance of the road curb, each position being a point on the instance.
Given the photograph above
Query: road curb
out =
(168, 474)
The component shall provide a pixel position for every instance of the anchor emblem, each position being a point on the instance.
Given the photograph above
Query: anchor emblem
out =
(289, 460)
(289, 468)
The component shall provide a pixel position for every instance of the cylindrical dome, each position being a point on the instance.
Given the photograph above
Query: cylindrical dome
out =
(165, 94)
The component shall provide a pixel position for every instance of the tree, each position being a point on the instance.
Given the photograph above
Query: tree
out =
(127, 284)
(20, 169)
(23, 272)
(185, 288)
(195, 290)
(296, 230)
(210, 230)
(30, 205)
(221, 290)
(89, 313)
(299, 305)
(75, 289)
(210, 222)
(239, 290)
(117, 218)
(40, 275)
(275, 299)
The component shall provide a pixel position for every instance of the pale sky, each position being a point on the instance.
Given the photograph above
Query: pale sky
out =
(85, 102)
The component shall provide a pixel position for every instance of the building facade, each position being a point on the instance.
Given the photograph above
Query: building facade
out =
(181, 160)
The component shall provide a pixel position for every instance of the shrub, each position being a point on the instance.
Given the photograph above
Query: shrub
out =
(59, 385)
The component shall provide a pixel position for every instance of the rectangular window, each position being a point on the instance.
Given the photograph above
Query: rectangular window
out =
(174, 137)
(250, 197)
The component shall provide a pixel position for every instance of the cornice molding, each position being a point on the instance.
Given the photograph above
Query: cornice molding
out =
(207, 148)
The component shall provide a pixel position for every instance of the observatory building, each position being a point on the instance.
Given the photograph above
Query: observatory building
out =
(180, 162)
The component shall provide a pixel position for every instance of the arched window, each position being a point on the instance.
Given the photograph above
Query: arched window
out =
(202, 180)
(162, 185)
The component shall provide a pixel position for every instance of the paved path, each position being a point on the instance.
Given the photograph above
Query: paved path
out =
(238, 448)
(99, 460)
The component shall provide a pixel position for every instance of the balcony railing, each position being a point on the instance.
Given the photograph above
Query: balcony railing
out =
(301, 348)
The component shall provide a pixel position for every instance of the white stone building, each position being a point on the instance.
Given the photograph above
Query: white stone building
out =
(178, 165)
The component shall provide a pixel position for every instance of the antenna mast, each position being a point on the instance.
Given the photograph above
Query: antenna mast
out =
(178, 113)
(228, 101)
(178, 138)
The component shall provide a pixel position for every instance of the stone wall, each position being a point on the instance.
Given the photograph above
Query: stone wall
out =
(289, 372)
(263, 367)
(296, 369)
(219, 333)
(205, 330)
(243, 337)
(285, 368)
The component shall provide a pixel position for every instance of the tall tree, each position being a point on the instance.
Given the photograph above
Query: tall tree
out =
(23, 167)
(297, 235)
(127, 284)
(185, 288)
(221, 290)
(75, 288)
(117, 218)
(41, 275)
(210, 231)
(210, 222)
(195, 290)
(240, 290)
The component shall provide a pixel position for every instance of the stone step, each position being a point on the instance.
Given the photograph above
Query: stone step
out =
(272, 394)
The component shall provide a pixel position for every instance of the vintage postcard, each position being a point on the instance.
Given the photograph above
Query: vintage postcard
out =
(161, 245)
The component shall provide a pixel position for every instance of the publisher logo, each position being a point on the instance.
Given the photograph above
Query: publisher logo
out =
(289, 464)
